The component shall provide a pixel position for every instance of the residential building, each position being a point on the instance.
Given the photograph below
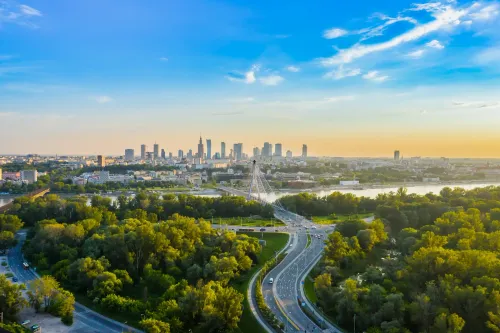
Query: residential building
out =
(277, 150)
(256, 152)
(222, 150)
(304, 150)
(396, 155)
(29, 176)
(103, 177)
(201, 150)
(238, 151)
(209, 149)
(101, 161)
(129, 155)
(180, 153)
(156, 151)
(143, 152)
(163, 153)
(289, 154)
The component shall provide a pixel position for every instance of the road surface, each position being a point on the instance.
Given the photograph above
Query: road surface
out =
(85, 320)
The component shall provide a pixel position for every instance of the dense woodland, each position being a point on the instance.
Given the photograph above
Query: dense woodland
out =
(429, 264)
(139, 259)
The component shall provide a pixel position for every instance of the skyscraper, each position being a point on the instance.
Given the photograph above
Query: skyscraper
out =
(170, 156)
(304, 150)
(238, 151)
(201, 151)
(288, 153)
(209, 149)
(101, 161)
(129, 155)
(163, 153)
(222, 150)
(156, 150)
(180, 153)
(190, 153)
(143, 152)
(256, 152)
(277, 150)
(267, 150)
(396, 155)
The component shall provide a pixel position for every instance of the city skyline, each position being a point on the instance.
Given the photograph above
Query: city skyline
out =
(373, 77)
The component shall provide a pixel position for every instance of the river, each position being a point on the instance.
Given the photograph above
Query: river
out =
(368, 192)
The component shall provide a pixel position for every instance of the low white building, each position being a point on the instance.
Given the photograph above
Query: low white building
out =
(349, 182)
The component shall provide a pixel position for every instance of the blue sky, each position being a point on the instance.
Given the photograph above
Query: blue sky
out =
(348, 78)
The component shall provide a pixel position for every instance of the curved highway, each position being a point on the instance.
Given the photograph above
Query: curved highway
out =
(85, 320)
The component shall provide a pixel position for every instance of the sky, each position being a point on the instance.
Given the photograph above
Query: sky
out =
(359, 78)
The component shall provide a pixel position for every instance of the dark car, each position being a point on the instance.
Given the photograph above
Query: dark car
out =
(262, 229)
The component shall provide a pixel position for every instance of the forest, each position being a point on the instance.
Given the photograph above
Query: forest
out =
(139, 259)
(427, 264)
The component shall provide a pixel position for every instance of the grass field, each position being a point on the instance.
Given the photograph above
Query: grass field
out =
(339, 218)
(274, 242)
(248, 222)
(308, 239)
(309, 289)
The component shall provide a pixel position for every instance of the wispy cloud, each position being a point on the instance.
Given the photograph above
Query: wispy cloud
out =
(342, 72)
(435, 44)
(487, 57)
(334, 33)
(4, 70)
(163, 59)
(101, 99)
(271, 80)
(240, 100)
(339, 99)
(29, 11)
(11, 12)
(416, 54)
(247, 77)
(379, 30)
(476, 105)
(231, 113)
(375, 76)
(293, 69)
(445, 16)
(486, 13)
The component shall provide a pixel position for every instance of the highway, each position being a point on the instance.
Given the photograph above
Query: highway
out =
(85, 320)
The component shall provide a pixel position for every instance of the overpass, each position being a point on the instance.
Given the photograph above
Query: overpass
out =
(33, 195)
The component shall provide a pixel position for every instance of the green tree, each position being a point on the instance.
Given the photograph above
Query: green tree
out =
(11, 298)
(154, 326)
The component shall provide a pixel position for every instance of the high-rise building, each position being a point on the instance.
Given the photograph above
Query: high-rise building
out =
(238, 151)
(30, 176)
(156, 151)
(129, 155)
(170, 156)
(231, 154)
(217, 156)
(288, 153)
(209, 149)
(222, 150)
(190, 153)
(201, 150)
(277, 150)
(143, 152)
(180, 153)
(101, 161)
(256, 152)
(304, 150)
(396, 155)
(267, 150)
(163, 153)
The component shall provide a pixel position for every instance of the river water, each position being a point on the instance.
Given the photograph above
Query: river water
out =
(368, 192)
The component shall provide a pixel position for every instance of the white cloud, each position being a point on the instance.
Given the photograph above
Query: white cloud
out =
(476, 105)
(293, 69)
(435, 44)
(375, 76)
(445, 16)
(29, 11)
(342, 72)
(271, 80)
(241, 100)
(248, 77)
(334, 33)
(101, 99)
(489, 56)
(163, 59)
(416, 54)
(379, 30)
(339, 99)
(486, 13)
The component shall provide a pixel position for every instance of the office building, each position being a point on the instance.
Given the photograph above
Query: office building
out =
(163, 153)
(170, 156)
(277, 150)
(129, 155)
(156, 151)
(396, 155)
(149, 155)
(222, 150)
(29, 176)
(101, 161)
(190, 153)
(231, 154)
(289, 154)
(209, 149)
(238, 151)
(267, 150)
(201, 150)
(256, 152)
(180, 153)
(304, 150)
(143, 152)
(217, 156)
